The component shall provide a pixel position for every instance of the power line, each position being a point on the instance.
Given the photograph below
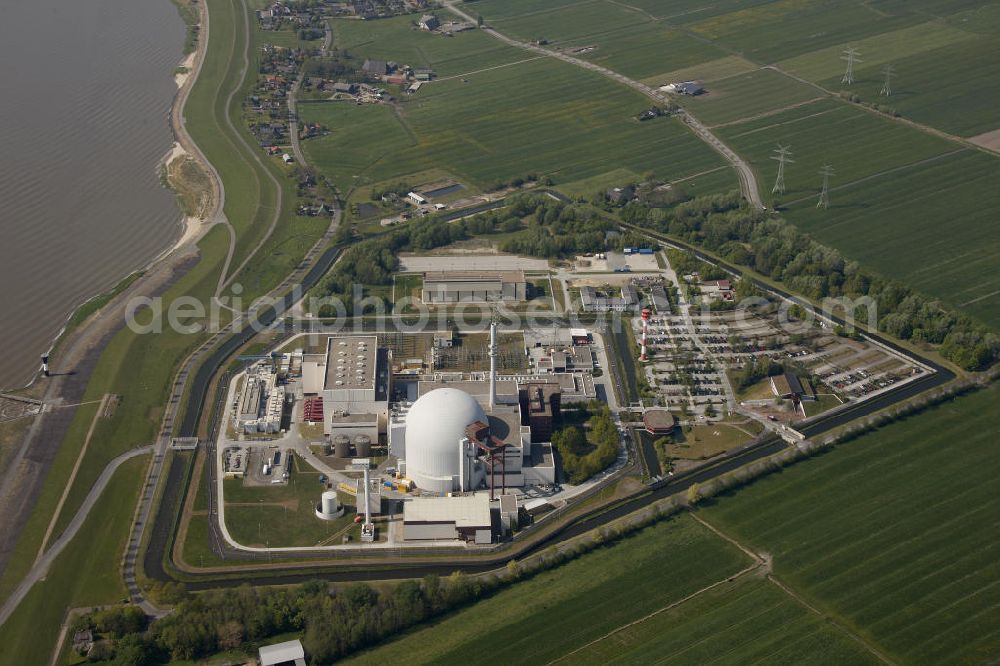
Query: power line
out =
(852, 56)
(824, 195)
(887, 72)
(782, 156)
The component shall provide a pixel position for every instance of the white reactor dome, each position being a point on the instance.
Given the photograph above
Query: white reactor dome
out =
(435, 425)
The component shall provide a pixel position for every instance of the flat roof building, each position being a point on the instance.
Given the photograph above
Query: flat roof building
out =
(474, 286)
(447, 518)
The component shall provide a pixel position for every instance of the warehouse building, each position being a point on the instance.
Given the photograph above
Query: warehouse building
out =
(474, 287)
(448, 518)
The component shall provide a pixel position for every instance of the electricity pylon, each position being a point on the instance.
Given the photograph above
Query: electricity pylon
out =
(852, 56)
(887, 71)
(824, 195)
(782, 156)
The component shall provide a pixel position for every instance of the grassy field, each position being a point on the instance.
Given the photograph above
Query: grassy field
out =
(557, 611)
(560, 23)
(540, 116)
(746, 95)
(642, 52)
(938, 68)
(931, 226)
(30, 633)
(281, 515)
(748, 621)
(399, 40)
(768, 32)
(895, 533)
(856, 143)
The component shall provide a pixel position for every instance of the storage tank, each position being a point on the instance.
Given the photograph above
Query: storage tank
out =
(341, 446)
(363, 446)
(330, 502)
(329, 507)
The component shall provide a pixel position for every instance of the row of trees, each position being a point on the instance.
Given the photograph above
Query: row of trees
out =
(740, 235)
(334, 621)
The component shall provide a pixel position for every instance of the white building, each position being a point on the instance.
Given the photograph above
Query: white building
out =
(447, 518)
(447, 442)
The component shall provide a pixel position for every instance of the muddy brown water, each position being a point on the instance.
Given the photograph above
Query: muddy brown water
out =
(84, 122)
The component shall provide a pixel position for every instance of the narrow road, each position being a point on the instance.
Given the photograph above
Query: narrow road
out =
(41, 566)
(748, 181)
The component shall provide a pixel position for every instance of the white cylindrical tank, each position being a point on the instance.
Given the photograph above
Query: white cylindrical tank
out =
(329, 507)
(330, 502)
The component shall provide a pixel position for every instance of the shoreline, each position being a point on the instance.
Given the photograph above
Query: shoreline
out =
(192, 228)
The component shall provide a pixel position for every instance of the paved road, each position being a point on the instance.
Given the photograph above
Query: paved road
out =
(748, 181)
(41, 567)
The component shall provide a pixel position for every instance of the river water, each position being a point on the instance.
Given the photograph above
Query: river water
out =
(84, 121)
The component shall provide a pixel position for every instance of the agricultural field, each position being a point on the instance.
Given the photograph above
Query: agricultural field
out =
(555, 612)
(858, 144)
(541, 116)
(399, 40)
(747, 95)
(932, 226)
(938, 69)
(640, 52)
(767, 33)
(894, 533)
(748, 621)
(560, 23)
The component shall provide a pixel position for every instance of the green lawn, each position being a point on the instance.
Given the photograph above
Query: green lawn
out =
(282, 514)
(559, 610)
(542, 116)
(895, 533)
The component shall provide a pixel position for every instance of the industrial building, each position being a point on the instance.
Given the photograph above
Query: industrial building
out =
(591, 301)
(446, 441)
(448, 518)
(473, 287)
(261, 403)
(348, 387)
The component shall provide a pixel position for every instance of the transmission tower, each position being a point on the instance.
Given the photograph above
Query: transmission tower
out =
(887, 72)
(852, 56)
(824, 195)
(782, 155)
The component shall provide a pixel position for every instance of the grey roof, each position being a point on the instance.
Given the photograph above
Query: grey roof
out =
(280, 653)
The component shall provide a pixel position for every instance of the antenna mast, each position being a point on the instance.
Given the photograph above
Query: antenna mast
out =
(782, 156)
(852, 56)
(824, 195)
